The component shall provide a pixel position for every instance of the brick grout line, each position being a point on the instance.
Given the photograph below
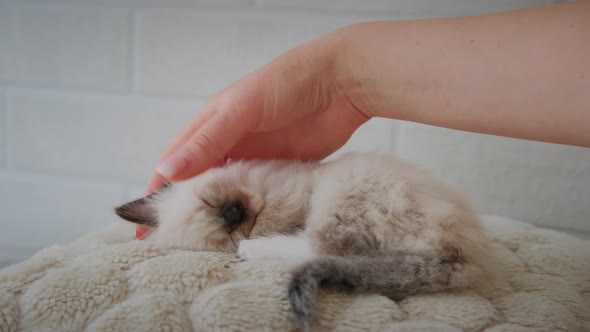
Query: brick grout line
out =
(396, 136)
(132, 52)
(162, 4)
(335, 10)
(418, 12)
(67, 93)
(260, 5)
(85, 91)
(25, 175)
(4, 117)
(251, 6)
(393, 137)
(7, 129)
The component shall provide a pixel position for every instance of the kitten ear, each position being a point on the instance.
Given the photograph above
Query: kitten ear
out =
(163, 187)
(138, 211)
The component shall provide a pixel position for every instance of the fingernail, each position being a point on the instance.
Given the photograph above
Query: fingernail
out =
(172, 165)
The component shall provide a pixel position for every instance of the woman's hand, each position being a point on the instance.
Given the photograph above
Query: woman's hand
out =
(521, 74)
(292, 108)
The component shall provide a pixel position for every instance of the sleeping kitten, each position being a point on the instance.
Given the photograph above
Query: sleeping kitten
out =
(362, 223)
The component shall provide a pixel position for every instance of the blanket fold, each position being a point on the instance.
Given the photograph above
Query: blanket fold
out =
(107, 281)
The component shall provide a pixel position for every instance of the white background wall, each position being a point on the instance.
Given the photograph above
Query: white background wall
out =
(92, 91)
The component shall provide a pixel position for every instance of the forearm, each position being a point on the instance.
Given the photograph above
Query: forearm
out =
(523, 74)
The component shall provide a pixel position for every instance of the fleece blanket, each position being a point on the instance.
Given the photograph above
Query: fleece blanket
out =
(107, 281)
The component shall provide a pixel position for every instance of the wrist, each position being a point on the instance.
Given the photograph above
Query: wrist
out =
(369, 71)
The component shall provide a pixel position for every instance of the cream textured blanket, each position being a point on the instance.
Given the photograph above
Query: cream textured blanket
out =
(107, 281)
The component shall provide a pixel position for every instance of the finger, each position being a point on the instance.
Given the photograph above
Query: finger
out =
(311, 138)
(247, 99)
(208, 145)
(156, 181)
(197, 122)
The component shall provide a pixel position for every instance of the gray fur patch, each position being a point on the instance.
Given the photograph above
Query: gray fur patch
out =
(138, 211)
(393, 276)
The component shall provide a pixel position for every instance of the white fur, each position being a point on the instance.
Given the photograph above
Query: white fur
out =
(293, 249)
(394, 205)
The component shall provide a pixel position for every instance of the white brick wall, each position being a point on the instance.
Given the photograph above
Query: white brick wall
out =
(39, 210)
(92, 90)
(421, 8)
(544, 183)
(3, 127)
(64, 47)
(229, 45)
(95, 136)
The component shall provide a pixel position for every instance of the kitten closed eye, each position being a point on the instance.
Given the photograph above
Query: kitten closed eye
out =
(233, 214)
(208, 203)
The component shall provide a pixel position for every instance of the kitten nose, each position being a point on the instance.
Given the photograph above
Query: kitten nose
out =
(233, 214)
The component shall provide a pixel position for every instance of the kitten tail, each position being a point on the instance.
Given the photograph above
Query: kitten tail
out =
(393, 276)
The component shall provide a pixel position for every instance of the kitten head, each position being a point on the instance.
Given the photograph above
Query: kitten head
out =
(222, 206)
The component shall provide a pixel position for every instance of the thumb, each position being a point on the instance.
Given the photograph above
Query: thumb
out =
(209, 144)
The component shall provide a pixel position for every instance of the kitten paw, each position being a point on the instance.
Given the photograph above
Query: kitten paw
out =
(254, 249)
(289, 250)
